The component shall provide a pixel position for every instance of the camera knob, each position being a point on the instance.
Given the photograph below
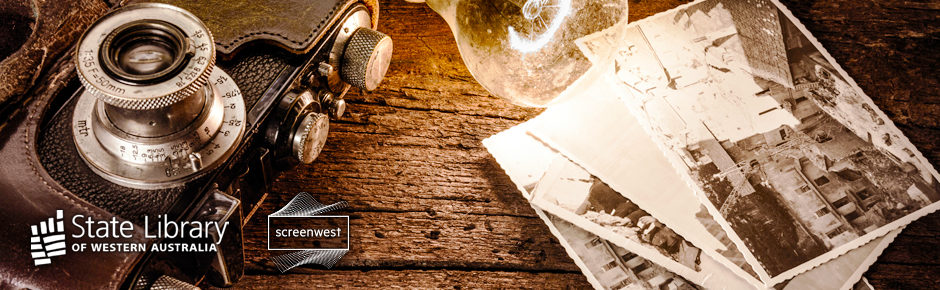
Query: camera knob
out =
(310, 136)
(366, 58)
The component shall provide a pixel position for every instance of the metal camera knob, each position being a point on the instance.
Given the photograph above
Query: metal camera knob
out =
(366, 58)
(310, 136)
(155, 112)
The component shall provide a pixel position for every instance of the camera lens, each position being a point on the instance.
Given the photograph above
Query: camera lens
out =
(144, 51)
(155, 112)
(145, 58)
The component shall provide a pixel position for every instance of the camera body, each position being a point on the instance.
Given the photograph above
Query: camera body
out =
(160, 119)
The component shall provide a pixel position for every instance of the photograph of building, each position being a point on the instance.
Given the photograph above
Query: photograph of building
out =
(574, 191)
(615, 267)
(795, 159)
(610, 209)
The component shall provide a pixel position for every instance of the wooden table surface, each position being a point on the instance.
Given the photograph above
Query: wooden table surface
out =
(431, 208)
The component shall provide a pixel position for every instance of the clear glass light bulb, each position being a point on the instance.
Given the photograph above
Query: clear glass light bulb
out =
(524, 50)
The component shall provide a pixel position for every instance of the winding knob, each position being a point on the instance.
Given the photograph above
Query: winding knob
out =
(366, 58)
(310, 136)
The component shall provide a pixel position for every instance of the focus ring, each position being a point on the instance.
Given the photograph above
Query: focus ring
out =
(150, 103)
(184, 78)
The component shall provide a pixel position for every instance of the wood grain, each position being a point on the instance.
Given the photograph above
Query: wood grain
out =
(431, 208)
(442, 279)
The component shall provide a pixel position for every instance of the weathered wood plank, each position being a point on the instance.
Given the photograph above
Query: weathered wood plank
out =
(424, 279)
(423, 192)
(903, 276)
(439, 240)
(390, 162)
(427, 73)
(928, 226)
(909, 249)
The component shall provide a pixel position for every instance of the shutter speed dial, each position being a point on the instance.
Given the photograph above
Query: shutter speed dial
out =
(301, 125)
(310, 136)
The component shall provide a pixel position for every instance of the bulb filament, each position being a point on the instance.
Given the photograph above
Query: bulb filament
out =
(532, 11)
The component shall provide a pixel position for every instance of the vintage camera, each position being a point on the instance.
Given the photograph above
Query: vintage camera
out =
(162, 120)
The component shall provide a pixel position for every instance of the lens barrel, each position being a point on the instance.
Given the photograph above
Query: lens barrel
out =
(150, 117)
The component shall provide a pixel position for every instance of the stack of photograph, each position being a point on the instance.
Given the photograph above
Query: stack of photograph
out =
(718, 146)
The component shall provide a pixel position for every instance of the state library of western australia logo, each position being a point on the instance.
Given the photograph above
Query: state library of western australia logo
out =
(47, 239)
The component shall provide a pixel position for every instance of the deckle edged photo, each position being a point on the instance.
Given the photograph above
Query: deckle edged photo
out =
(598, 133)
(526, 159)
(796, 161)
(611, 266)
(607, 266)
(571, 193)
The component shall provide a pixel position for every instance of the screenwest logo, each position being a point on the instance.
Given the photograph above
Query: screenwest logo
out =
(47, 239)
(302, 227)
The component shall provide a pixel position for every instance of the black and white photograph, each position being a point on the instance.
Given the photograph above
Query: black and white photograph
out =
(599, 134)
(616, 268)
(606, 207)
(613, 267)
(611, 145)
(526, 161)
(569, 192)
(797, 161)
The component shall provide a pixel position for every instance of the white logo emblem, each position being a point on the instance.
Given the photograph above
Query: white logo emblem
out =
(48, 239)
